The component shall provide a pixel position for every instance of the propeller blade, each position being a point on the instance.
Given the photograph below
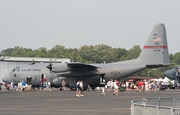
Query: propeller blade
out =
(49, 66)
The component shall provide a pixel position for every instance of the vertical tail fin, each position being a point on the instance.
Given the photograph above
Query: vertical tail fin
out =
(155, 51)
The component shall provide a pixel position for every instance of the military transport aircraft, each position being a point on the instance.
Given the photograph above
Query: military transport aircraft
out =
(173, 73)
(154, 54)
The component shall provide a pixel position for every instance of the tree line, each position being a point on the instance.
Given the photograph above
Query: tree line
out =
(92, 54)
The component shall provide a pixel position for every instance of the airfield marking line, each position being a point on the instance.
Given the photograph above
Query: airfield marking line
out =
(63, 109)
(123, 109)
(70, 99)
(129, 97)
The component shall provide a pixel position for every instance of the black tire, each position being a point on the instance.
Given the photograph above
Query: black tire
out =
(93, 88)
(73, 89)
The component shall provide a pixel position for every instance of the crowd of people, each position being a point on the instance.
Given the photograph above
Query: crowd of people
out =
(141, 85)
(137, 85)
(146, 85)
(45, 84)
(23, 86)
(113, 86)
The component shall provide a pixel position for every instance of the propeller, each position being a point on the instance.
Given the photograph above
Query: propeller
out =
(50, 65)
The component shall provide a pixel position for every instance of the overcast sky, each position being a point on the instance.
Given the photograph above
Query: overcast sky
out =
(74, 23)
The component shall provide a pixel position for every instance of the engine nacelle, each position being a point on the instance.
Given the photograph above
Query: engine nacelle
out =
(61, 67)
(58, 81)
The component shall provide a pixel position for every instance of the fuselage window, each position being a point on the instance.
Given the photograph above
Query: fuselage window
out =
(13, 70)
(175, 67)
(16, 69)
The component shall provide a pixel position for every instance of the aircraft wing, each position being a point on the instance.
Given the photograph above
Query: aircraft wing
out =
(77, 74)
(157, 65)
(78, 65)
(75, 69)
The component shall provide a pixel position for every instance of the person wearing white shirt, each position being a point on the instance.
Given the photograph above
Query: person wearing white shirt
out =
(12, 86)
(49, 85)
(108, 85)
(19, 86)
(116, 88)
(103, 91)
(81, 89)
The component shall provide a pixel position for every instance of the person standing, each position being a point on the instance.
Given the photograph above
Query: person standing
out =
(154, 86)
(111, 85)
(42, 85)
(23, 85)
(108, 85)
(146, 86)
(81, 89)
(78, 89)
(143, 85)
(103, 91)
(116, 87)
(19, 86)
(12, 86)
(127, 86)
(63, 85)
(49, 85)
(139, 85)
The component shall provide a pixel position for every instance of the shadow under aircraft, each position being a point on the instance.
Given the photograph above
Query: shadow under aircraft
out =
(154, 54)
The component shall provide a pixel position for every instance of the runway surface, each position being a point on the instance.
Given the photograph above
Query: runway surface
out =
(66, 103)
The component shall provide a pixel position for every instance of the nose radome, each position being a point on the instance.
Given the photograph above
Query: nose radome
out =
(167, 73)
(6, 78)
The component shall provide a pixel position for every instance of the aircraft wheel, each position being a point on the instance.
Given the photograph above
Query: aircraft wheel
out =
(93, 88)
(73, 89)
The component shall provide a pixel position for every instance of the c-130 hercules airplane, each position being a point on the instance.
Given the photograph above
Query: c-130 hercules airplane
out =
(154, 54)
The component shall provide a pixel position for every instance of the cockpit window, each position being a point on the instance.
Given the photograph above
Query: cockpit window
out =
(16, 69)
(175, 67)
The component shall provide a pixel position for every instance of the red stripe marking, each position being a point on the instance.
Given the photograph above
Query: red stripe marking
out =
(154, 47)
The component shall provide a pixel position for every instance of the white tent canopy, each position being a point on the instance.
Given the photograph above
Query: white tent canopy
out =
(162, 80)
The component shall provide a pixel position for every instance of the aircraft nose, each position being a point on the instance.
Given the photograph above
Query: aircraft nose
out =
(166, 73)
(169, 74)
(6, 78)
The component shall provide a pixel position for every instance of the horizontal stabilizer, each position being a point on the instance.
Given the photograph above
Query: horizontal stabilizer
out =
(157, 65)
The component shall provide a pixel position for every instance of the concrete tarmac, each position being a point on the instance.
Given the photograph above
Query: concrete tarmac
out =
(66, 103)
